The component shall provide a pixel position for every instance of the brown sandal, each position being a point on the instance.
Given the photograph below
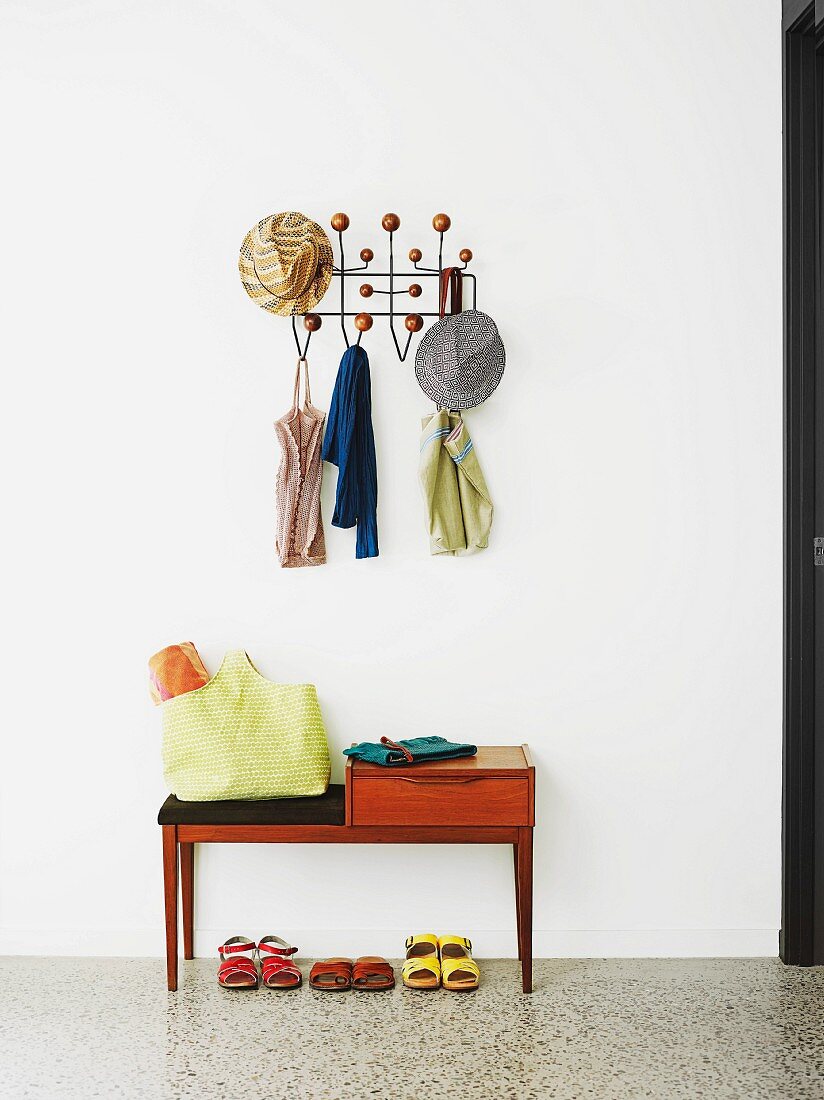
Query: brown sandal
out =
(371, 972)
(332, 976)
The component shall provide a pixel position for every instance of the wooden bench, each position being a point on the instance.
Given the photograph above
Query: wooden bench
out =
(485, 799)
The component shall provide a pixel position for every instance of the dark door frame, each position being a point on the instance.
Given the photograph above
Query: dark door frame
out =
(802, 909)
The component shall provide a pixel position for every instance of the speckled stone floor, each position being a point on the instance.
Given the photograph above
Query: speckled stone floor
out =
(728, 1028)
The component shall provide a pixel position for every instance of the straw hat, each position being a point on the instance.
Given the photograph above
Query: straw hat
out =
(286, 263)
(460, 360)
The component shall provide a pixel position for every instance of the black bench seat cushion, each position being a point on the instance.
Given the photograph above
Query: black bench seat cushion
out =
(325, 809)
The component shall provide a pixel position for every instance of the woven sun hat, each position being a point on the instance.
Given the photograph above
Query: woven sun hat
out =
(460, 360)
(286, 263)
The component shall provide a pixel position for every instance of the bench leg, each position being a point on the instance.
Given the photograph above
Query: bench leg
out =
(525, 904)
(170, 889)
(517, 898)
(187, 890)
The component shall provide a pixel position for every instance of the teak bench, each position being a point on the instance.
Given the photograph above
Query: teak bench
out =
(484, 799)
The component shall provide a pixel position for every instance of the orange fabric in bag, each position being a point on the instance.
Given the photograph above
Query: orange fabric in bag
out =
(176, 670)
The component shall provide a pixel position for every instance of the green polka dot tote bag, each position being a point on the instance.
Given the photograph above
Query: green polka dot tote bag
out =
(243, 736)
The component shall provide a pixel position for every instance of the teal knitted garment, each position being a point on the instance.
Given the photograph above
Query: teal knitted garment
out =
(421, 748)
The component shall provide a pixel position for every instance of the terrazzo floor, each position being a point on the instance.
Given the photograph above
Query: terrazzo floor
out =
(91, 1028)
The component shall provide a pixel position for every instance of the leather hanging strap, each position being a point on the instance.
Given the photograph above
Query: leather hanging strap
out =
(452, 281)
(400, 748)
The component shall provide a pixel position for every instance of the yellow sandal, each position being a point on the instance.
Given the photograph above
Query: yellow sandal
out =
(422, 969)
(459, 971)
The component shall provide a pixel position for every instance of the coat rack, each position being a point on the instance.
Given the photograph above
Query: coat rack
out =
(413, 322)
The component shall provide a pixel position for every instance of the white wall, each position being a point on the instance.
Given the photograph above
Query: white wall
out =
(616, 169)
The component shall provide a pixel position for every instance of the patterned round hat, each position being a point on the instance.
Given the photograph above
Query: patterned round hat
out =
(460, 360)
(286, 263)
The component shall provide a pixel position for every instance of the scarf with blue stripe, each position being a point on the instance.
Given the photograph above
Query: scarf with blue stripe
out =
(349, 444)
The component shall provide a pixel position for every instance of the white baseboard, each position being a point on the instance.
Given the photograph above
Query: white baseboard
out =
(653, 943)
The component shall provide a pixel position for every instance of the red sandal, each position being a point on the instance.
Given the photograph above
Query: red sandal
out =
(237, 969)
(276, 966)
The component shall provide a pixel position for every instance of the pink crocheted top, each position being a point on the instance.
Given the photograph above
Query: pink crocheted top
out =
(299, 539)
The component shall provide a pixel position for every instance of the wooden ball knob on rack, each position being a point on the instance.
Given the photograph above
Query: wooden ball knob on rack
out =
(414, 322)
(465, 255)
(415, 255)
(363, 322)
(441, 222)
(390, 222)
(415, 290)
(367, 255)
(340, 222)
(367, 290)
(312, 322)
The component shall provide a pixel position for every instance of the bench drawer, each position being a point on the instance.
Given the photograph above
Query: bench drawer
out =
(407, 800)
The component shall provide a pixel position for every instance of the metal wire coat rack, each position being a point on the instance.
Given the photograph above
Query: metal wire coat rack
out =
(413, 322)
